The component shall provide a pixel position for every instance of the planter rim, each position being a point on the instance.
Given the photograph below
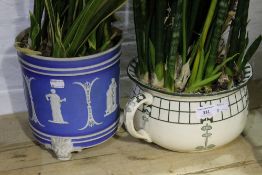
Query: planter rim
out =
(21, 34)
(131, 74)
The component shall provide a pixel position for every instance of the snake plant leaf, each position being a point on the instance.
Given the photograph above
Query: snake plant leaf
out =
(201, 68)
(183, 77)
(220, 66)
(242, 53)
(194, 71)
(203, 82)
(202, 40)
(195, 32)
(216, 36)
(173, 54)
(251, 50)
(152, 54)
(160, 16)
(140, 9)
(236, 28)
(208, 22)
(196, 4)
(184, 31)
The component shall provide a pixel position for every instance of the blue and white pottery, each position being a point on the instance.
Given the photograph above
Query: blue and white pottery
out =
(186, 122)
(73, 103)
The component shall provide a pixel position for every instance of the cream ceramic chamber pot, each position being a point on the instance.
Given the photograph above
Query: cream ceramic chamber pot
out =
(184, 122)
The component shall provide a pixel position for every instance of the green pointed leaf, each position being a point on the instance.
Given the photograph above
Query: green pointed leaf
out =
(26, 51)
(204, 82)
(34, 32)
(219, 67)
(92, 40)
(59, 49)
(95, 12)
(251, 50)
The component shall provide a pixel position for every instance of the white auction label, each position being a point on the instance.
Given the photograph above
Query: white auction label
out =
(57, 83)
(211, 110)
(206, 111)
(222, 107)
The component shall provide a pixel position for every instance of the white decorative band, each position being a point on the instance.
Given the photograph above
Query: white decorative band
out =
(82, 141)
(77, 148)
(71, 74)
(69, 69)
(77, 137)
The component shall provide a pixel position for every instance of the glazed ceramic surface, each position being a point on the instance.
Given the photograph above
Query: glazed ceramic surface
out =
(73, 103)
(184, 122)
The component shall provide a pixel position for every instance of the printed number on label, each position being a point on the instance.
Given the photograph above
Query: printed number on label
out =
(205, 112)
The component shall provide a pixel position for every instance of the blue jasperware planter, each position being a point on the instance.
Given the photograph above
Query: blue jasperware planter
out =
(73, 103)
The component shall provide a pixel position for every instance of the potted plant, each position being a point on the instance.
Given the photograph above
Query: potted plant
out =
(191, 73)
(70, 64)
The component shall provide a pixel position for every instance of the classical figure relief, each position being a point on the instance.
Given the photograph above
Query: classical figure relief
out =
(28, 81)
(87, 86)
(55, 103)
(111, 96)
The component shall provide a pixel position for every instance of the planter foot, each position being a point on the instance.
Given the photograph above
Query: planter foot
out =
(62, 147)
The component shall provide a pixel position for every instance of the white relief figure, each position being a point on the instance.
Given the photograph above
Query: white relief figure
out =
(111, 94)
(55, 102)
(88, 88)
(34, 117)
